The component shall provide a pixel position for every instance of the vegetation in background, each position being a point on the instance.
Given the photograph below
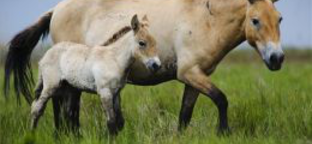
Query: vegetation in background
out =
(264, 107)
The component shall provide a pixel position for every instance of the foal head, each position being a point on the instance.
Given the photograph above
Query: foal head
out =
(145, 44)
(263, 32)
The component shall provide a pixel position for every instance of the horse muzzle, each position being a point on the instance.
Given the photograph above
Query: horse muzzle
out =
(273, 57)
(153, 64)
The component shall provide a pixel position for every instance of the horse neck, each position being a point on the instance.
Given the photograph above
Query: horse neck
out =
(124, 49)
(225, 24)
(232, 23)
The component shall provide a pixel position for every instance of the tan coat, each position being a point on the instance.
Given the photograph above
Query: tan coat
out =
(196, 34)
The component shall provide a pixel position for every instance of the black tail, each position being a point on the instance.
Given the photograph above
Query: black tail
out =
(18, 57)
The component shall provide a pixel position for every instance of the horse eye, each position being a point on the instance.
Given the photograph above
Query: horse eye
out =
(142, 43)
(255, 22)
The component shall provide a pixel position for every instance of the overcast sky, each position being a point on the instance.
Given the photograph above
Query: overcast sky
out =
(15, 15)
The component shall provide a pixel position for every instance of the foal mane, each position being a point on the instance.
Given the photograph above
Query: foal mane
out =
(117, 35)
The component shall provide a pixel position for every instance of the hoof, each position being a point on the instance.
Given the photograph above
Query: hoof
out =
(224, 131)
(112, 128)
(120, 123)
(181, 128)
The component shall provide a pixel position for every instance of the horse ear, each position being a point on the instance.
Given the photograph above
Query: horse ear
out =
(253, 1)
(274, 1)
(135, 24)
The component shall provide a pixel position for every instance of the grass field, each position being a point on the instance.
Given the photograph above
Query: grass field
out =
(264, 107)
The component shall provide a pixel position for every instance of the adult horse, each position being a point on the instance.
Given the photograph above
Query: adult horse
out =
(193, 37)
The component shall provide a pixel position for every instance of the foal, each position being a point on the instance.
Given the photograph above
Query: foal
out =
(100, 69)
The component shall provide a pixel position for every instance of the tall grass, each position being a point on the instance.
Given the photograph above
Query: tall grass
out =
(264, 107)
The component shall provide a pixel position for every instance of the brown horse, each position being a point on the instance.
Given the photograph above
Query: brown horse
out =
(193, 37)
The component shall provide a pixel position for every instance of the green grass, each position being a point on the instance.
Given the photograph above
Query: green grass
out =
(264, 107)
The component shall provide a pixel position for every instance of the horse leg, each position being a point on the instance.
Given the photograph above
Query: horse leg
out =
(219, 98)
(196, 78)
(39, 105)
(73, 109)
(188, 102)
(56, 111)
(107, 103)
(66, 106)
(117, 109)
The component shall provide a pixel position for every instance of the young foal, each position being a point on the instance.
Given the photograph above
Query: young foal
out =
(98, 69)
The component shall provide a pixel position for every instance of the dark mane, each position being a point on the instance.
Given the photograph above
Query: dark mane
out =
(117, 35)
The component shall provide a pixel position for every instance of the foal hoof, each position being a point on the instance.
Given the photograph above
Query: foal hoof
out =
(112, 128)
(120, 123)
(224, 131)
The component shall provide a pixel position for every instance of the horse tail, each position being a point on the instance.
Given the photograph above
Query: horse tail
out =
(18, 57)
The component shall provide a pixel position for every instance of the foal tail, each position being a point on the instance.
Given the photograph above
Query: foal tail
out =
(18, 57)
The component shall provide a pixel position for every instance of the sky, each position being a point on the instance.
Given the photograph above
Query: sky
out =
(296, 28)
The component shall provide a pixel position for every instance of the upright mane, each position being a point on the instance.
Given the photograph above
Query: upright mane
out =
(117, 35)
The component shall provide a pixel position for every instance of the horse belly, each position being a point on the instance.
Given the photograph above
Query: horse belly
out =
(140, 75)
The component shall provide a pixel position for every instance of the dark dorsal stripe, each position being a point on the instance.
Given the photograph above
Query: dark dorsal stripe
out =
(117, 35)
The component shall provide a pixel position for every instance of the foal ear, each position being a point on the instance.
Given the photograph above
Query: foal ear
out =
(135, 24)
(145, 18)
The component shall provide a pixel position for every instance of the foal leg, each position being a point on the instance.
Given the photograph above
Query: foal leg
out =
(188, 102)
(107, 103)
(117, 109)
(39, 105)
(196, 78)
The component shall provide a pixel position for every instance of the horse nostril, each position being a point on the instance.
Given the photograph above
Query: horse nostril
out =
(274, 58)
(155, 66)
(277, 58)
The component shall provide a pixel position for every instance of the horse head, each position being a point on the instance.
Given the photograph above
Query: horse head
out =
(262, 29)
